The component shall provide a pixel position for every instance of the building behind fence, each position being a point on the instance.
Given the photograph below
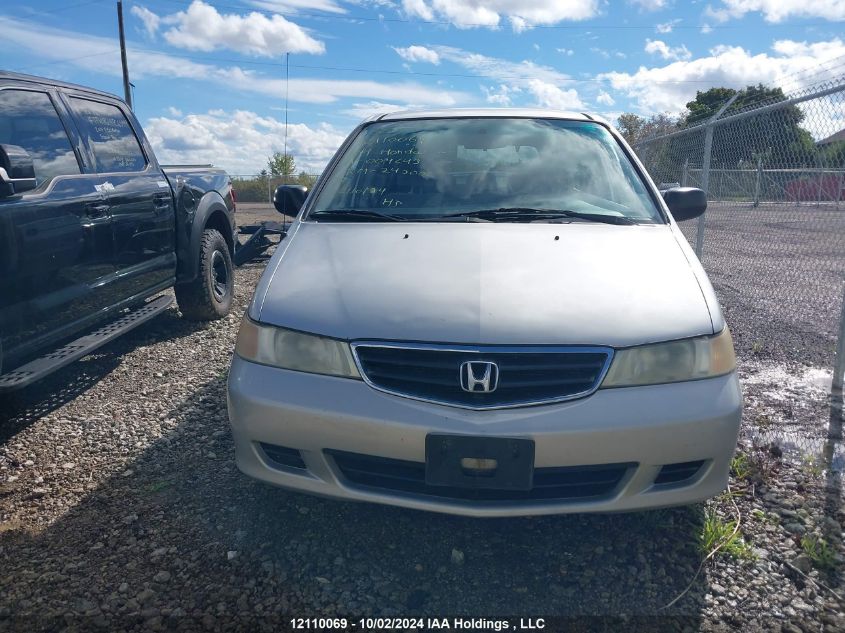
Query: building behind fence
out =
(773, 237)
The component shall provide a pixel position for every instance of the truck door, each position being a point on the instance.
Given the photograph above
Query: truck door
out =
(139, 196)
(56, 249)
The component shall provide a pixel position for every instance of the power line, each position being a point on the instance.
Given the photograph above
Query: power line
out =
(70, 59)
(578, 27)
(412, 73)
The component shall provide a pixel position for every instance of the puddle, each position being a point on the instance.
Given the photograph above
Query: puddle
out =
(779, 381)
(790, 407)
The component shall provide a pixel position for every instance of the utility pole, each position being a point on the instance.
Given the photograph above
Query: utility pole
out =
(127, 91)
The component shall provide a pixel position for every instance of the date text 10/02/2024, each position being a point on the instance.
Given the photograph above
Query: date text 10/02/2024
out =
(404, 624)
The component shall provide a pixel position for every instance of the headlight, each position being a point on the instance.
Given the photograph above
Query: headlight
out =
(676, 361)
(288, 349)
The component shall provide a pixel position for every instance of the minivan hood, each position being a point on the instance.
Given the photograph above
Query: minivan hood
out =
(478, 283)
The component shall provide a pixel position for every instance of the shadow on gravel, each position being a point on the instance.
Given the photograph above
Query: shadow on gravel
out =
(19, 409)
(188, 542)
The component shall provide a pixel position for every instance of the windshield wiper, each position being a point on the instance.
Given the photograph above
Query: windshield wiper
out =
(528, 214)
(359, 215)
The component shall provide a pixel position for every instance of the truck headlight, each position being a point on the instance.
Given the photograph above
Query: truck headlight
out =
(675, 361)
(288, 349)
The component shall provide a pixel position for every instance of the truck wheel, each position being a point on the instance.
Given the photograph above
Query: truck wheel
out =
(209, 296)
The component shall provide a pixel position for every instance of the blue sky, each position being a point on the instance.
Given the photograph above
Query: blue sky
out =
(209, 74)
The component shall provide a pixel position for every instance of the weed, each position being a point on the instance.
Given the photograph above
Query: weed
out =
(757, 347)
(765, 517)
(740, 466)
(812, 466)
(819, 552)
(716, 531)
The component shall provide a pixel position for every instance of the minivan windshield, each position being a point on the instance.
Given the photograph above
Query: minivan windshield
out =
(486, 169)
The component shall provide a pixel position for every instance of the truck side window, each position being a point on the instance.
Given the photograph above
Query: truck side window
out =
(109, 135)
(29, 119)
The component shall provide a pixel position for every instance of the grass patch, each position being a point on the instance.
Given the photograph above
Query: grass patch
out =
(715, 531)
(819, 552)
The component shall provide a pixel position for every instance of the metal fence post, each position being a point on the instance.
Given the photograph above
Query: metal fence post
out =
(758, 183)
(705, 170)
(839, 363)
(705, 185)
(685, 172)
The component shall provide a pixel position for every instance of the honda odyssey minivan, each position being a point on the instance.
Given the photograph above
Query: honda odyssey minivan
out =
(488, 313)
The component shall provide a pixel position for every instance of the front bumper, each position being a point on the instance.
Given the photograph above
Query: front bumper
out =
(647, 426)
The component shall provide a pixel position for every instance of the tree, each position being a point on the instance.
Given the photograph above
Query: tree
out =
(281, 165)
(635, 128)
(776, 136)
(630, 126)
(705, 105)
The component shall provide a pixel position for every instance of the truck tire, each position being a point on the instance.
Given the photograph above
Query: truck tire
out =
(209, 296)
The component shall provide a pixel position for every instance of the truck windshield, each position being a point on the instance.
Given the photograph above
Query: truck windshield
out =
(431, 169)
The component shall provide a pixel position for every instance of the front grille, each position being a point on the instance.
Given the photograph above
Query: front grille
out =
(526, 375)
(678, 473)
(561, 483)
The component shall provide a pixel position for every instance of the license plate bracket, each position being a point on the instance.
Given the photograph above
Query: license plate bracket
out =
(467, 461)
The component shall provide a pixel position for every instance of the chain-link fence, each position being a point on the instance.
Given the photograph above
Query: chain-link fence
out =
(773, 244)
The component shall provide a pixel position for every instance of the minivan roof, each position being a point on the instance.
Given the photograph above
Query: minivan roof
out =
(43, 81)
(451, 113)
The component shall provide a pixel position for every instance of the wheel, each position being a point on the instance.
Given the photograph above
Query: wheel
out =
(209, 296)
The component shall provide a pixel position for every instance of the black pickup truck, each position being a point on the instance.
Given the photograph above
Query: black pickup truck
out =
(92, 227)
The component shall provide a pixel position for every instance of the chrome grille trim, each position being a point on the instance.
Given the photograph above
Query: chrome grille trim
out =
(481, 350)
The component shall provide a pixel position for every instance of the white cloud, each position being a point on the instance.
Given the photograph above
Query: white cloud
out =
(369, 108)
(418, 8)
(174, 111)
(706, 28)
(779, 10)
(666, 27)
(240, 141)
(566, 51)
(292, 6)
(418, 54)
(97, 54)
(550, 96)
(549, 87)
(667, 88)
(202, 28)
(650, 5)
(149, 19)
(657, 47)
(521, 14)
(501, 95)
(605, 99)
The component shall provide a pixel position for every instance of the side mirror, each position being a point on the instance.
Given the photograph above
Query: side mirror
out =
(685, 203)
(17, 173)
(288, 199)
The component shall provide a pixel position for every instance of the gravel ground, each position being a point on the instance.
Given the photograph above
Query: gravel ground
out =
(121, 509)
(778, 270)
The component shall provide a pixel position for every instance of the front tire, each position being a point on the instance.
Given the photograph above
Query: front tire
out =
(209, 296)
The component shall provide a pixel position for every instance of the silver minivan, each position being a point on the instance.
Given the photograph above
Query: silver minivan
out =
(488, 313)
